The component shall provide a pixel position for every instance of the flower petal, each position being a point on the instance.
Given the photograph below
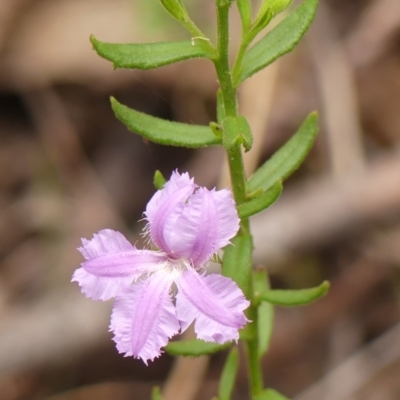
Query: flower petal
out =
(111, 265)
(194, 235)
(166, 206)
(125, 263)
(100, 288)
(207, 223)
(105, 242)
(144, 318)
(215, 302)
(228, 220)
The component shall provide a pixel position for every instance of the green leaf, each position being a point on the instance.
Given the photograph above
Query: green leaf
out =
(244, 8)
(299, 297)
(276, 6)
(259, 203)
(265, 326)
(223, 3)
(156, 393)
(270, 394)
(262, 20)
(237, 263)
(150, 55)
(164, 132)
(176, 9)
(265, 312)
(158, 180)
(228, 376)
(236, 131)
(287, 159)
(281, 40)
(194, 348)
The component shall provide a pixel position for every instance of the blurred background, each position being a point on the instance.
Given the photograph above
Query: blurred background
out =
(68, 168)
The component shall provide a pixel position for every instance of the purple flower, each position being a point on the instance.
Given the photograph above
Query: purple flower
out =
(187, 224)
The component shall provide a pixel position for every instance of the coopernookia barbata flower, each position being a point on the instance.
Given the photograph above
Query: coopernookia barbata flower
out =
(187, 224)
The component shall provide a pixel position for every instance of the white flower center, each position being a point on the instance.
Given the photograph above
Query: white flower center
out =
(175, 268)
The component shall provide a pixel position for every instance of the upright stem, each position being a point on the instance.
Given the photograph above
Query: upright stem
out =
(222, 67)
(236, 168)
(255, 374)
(222, 62)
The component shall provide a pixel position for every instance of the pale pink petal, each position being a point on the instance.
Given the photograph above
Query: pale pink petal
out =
(144, 318)
(100, 288)
(228, 220)
(166, 206)
(105, 242)
(194, 234)
(111, 265)
(104, 277)
(125, 263)
(215, 303)
(177, 181)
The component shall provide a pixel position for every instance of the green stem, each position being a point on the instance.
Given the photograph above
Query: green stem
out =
(236, 170)
(255, 375)
(238, 179)
(222, 62)
(229, 96)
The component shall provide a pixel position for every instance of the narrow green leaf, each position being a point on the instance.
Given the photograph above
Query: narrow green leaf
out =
(158, 180)
(228, 376)
(237, 263)
(287, 159)
(299, 297)
(224, 3)
(276, 6)
(265, 312)
(156, 393)
(176, 9)
(236, 131)
(164, 132)
(150, 55)
(270, 394)
(265, 326)
(260, 202)
(281, 40)
(262, 20)
(194, 348)
(244, 8)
